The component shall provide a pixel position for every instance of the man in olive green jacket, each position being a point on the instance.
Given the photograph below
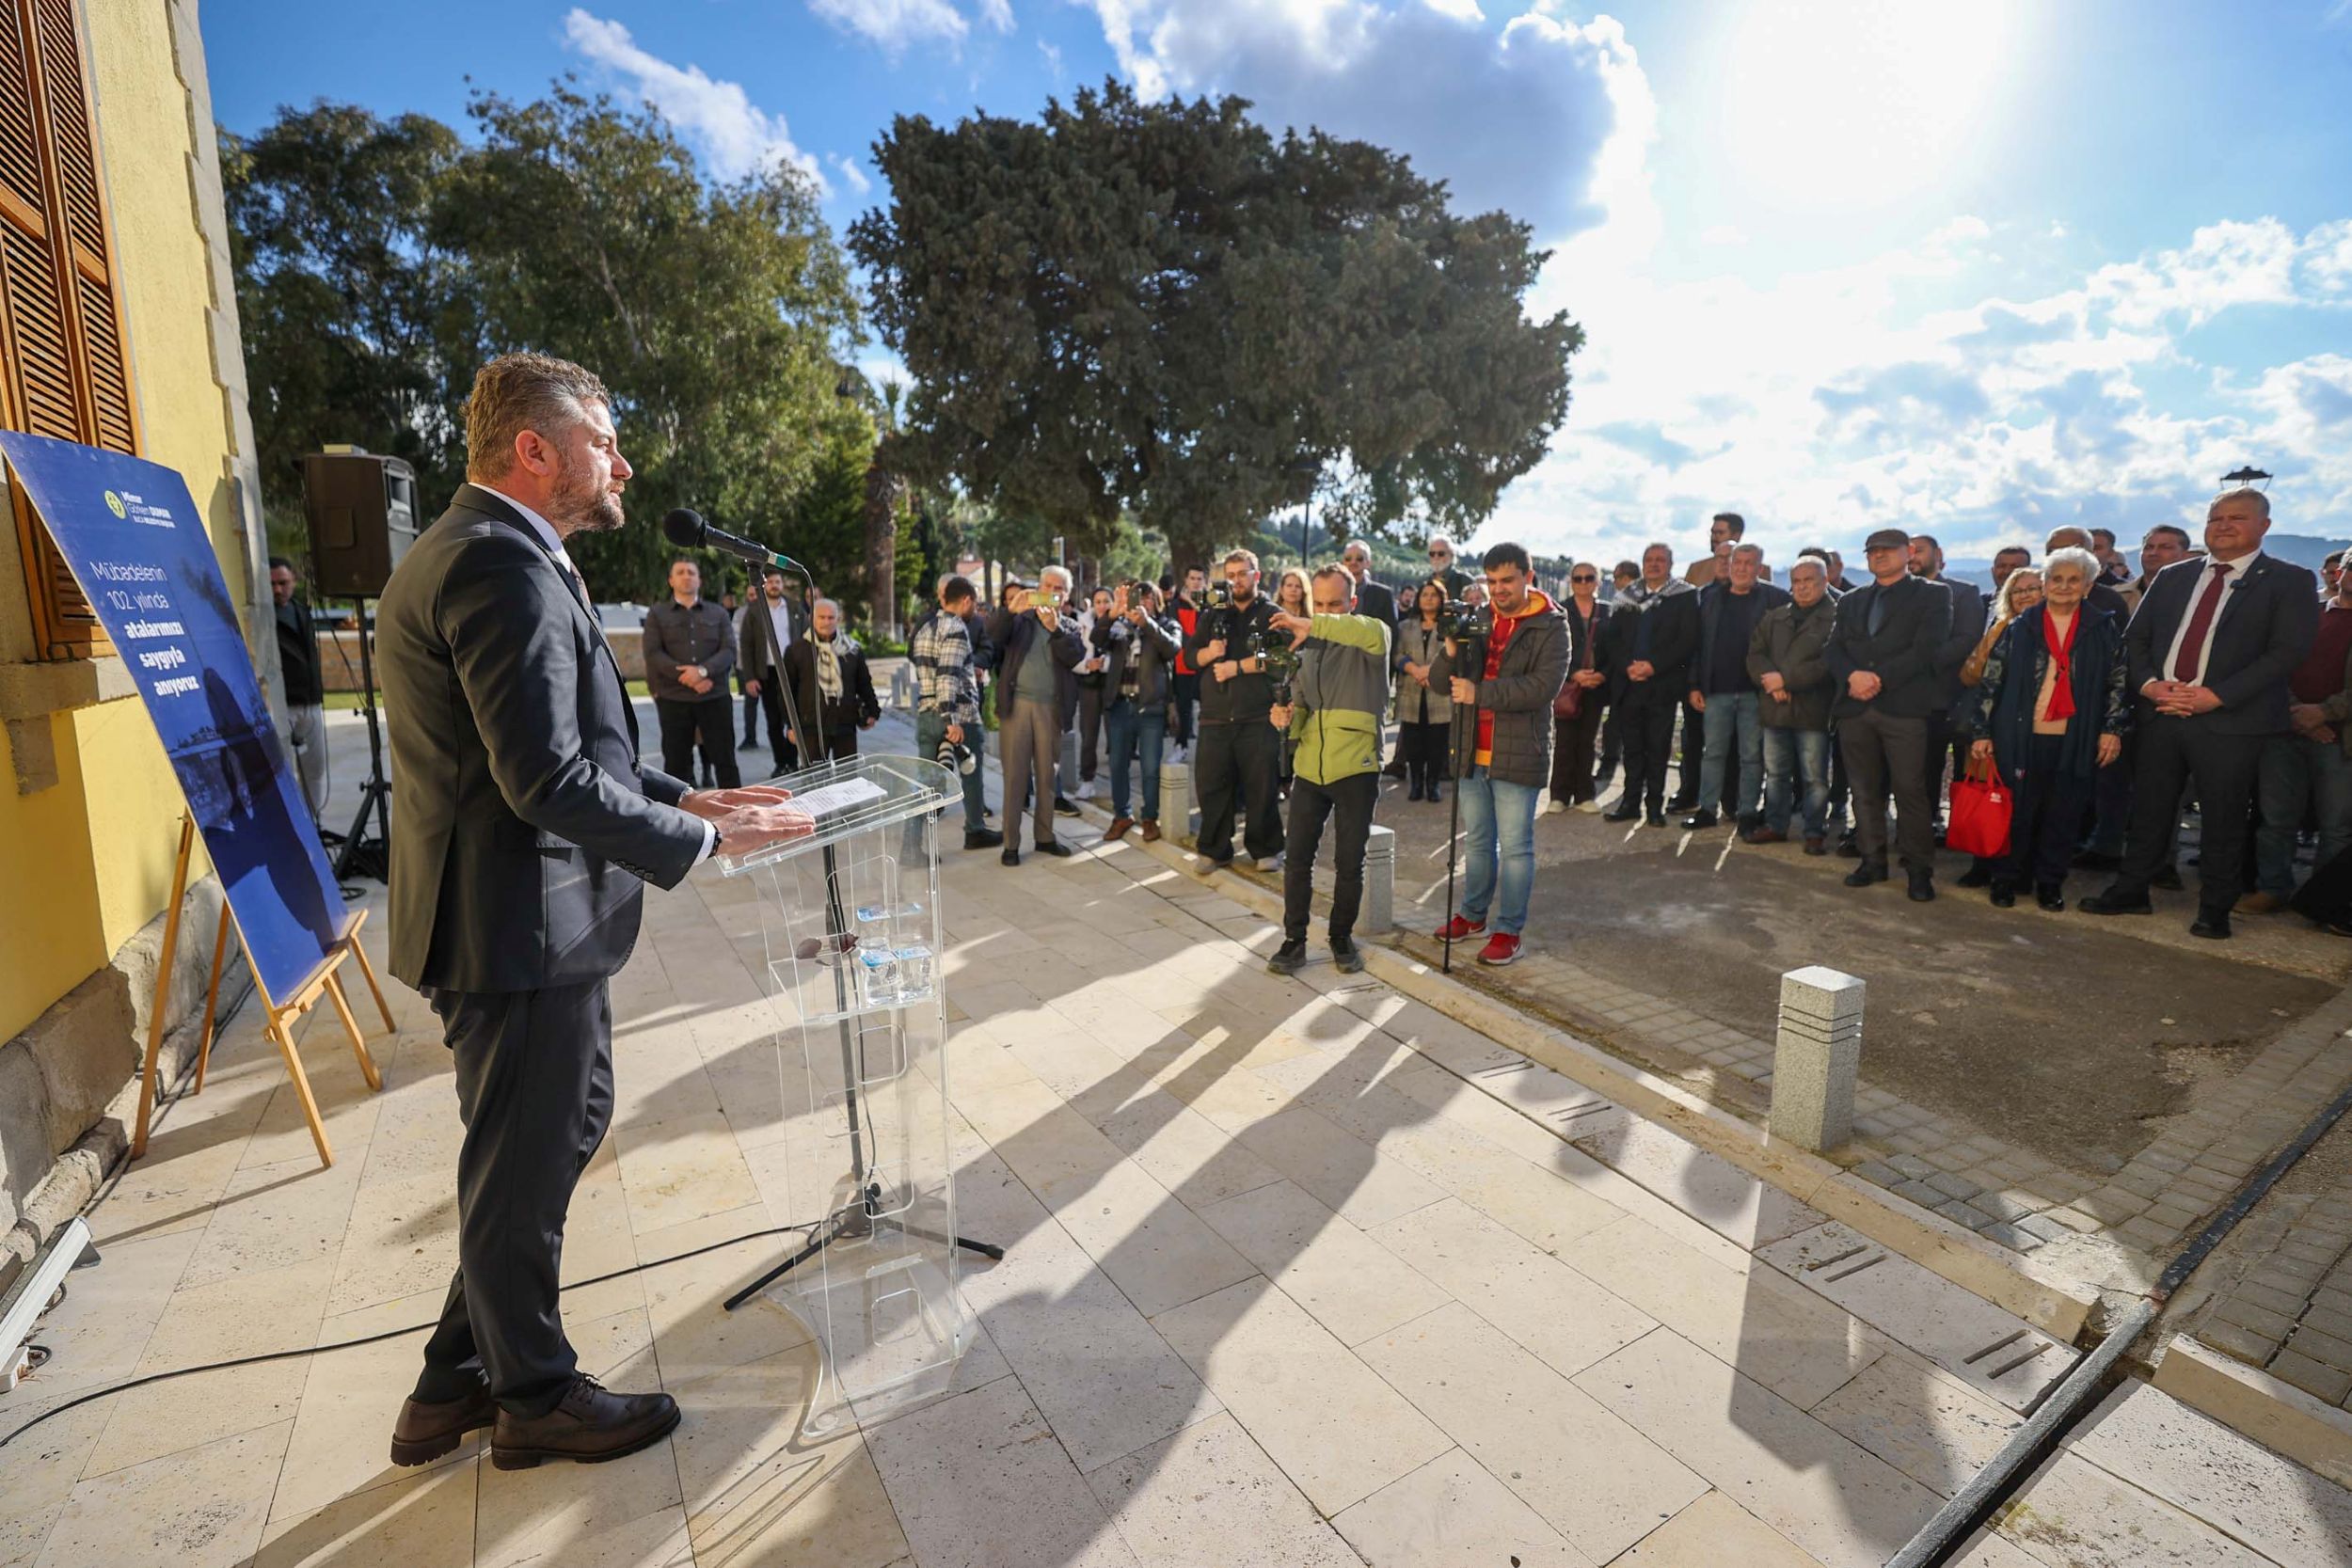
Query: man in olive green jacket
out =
(1337, 698)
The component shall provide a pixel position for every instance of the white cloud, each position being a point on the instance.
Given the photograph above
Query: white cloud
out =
(895, 24)
(733, 135)
(1514, 118)
(1827, 403)
(853, 174)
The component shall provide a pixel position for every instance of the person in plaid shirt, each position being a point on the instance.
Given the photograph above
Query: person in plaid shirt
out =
(948, 698)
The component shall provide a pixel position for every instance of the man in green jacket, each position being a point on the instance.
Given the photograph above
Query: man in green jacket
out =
(1337, 698)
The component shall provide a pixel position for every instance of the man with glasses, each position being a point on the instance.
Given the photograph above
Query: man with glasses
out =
(1376, 599)
(1503, 696)
(1441, 566)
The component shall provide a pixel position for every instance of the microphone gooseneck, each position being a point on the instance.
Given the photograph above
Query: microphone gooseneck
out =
(685, 528)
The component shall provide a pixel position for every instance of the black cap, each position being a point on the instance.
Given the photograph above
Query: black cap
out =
(1888, 539)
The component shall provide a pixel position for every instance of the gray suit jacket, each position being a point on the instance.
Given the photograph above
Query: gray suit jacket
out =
(525, 826)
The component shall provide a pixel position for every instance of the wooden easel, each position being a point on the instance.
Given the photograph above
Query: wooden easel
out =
(321, 981)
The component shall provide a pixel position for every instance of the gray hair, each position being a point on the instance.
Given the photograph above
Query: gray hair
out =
(833, 605)
(1745, 549)
(2074, 555)
(1060, 571)
(1808, 563)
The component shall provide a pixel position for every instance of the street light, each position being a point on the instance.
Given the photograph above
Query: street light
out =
(1305, 470)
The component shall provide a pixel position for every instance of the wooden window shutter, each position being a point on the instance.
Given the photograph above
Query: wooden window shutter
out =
(60, 315)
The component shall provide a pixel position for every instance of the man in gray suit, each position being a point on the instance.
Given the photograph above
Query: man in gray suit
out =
(528, 827)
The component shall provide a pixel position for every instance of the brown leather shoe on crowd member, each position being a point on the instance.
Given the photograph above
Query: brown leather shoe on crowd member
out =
(1763, 836)
(1118, 829)
(427, 1428)
(590, 1424)
(2259, 903)
(1151, 829)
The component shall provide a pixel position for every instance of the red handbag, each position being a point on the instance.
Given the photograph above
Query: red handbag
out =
(1979, 822)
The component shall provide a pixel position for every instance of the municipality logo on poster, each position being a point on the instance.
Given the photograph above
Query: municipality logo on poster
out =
(114, 504)
(132, 509)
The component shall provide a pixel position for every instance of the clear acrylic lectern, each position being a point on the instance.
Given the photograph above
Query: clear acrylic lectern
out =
(850, 936)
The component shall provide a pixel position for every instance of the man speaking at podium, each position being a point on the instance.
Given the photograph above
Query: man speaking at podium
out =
(526, 827)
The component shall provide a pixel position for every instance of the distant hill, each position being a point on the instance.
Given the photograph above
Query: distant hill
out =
(2304, 549)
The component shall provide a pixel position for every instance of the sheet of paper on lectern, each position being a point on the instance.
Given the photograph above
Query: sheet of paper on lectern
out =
(838, 797)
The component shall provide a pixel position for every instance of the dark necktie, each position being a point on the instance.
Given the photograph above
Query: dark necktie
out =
(1877, 618)
(2201, 623)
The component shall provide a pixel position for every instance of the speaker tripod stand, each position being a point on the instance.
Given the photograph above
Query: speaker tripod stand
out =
(361, 855)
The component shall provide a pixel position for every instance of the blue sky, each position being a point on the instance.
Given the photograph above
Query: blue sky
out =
(1972, 269)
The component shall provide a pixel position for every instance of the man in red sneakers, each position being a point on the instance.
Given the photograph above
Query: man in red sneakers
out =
(1503, 691)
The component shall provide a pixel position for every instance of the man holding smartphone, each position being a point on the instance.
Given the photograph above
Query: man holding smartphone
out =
(1037, 645)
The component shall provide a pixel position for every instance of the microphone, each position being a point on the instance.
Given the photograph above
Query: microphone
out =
(685, 528)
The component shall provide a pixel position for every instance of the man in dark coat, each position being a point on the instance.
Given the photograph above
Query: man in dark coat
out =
(832, 686)
(1653, 636)
(529, 827)
(2211, 651)
(1884, 651)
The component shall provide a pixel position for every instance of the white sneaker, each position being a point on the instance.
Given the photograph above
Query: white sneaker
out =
(1086, 789)
(1272, 862)
(1557, 808)
(1589, 807)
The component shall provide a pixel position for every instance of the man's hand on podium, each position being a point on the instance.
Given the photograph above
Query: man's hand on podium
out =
(750, 817)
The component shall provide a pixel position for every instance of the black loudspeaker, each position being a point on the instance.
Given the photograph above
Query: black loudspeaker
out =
(362, 511)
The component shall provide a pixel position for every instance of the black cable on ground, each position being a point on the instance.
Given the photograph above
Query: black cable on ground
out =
(374, 1339)
(1991, 1487)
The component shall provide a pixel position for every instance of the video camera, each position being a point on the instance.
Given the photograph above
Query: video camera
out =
(1463, 622)
(1279, 661)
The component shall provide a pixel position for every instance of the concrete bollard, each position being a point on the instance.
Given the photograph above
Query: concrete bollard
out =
(1816, 1056)
(1175, 799)
(1379, 913)
(903, 689)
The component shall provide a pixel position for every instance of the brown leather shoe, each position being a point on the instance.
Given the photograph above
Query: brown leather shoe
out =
(591, 1424)
(426, 1430)
(2259, 903)
(1151, 829)
(1118, 829)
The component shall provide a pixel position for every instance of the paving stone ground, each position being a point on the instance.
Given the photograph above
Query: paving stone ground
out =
(1299, 1271)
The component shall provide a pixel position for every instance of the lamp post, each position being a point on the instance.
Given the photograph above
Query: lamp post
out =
(1305, 470)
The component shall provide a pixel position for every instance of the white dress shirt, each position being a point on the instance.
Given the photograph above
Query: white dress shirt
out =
(780, 624)
(2234, 577)
(554, 542)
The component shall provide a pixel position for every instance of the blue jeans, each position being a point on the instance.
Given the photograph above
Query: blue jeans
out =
(1730, 720)
(1788, 755)
(2296, 772)
(1498, 823)
(1129, 733)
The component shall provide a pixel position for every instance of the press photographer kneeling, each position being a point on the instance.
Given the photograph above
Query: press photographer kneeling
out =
(1332, 708)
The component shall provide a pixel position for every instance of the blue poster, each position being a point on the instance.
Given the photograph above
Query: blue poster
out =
(136, 545)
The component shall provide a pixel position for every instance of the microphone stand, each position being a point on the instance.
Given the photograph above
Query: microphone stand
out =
(853, 1220)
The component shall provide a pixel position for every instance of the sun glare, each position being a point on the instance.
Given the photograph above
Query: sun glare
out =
(1831, 105)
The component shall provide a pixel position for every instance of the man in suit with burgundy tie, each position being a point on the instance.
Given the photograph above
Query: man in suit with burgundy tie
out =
(526, 827)
(2211, 648)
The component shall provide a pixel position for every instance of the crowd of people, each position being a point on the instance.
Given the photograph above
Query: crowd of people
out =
(1811, 708)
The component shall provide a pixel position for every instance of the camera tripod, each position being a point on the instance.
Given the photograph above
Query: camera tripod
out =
(1462, 760)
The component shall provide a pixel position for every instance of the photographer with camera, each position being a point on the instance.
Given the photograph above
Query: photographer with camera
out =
(1330, 707)
(1503, 668)
(1238, 755)
(1142, 656)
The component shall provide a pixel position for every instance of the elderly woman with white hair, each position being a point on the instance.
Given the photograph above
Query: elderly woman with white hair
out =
(2050, 711)
(832, 686)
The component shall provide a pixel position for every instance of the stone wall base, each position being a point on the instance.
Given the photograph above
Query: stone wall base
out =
(70, 1082)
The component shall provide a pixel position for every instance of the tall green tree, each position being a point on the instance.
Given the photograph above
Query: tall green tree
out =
(380, 264)
(1161, 308)
(348, 306)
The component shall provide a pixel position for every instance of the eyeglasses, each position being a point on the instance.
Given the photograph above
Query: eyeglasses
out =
(1584, 577)
(1440, 555)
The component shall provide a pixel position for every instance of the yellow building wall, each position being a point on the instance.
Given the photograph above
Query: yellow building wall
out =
(88, 862)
